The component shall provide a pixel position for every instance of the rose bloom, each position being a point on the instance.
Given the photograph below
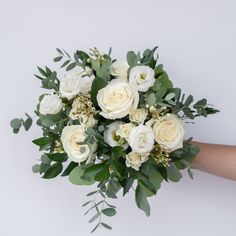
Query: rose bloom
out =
(169, 132)
(124, 130)
(138, 116)
(119, 70)
(117, 99)
(70, 86)
(142, 77)
(71, 137)
(141, 139)
(50, 104)
(135, 160)
(111, 137)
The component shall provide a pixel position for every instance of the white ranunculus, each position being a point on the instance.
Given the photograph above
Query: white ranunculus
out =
(141, 139)
(135, 160)
(124, 130)
(169, 132)
(50, 104)
(86, 84)
(117, 99)
(119, 70)
(142, 77)
(138, 116)
(70, 85)
(71, 137)
(111, 137)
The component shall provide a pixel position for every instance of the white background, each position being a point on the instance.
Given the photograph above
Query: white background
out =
(197, 42)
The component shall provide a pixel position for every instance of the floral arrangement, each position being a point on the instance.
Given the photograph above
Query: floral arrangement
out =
(119, 124)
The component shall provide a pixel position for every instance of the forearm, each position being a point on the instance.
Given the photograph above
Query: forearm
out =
(216, 159)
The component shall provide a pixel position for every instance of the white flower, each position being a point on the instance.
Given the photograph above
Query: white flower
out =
(119, 70)
(141, 139)
(134, 160)
(86, 84)
(142, 77)
(111, 137)
(138, 116)
(169, 132)
(124, 130)
(70, 138)
(70, 85)
(117, 99)
(50, 104)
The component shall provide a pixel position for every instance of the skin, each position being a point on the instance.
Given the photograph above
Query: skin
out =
(216, 159)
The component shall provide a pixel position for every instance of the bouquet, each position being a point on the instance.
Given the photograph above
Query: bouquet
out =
(116, 124)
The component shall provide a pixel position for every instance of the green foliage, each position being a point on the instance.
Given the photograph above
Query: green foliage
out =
(97, 84)
(57, 157)
(141, 199)
(53, 171)
(132, 59)
(16, 123)
(76, 174)
(48, 78)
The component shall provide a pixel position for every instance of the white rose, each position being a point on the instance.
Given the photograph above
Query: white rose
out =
(135, 160)
(111, 137)
(119, 69)
(117, 99)
(70, 85)
(86, 84)
(70, 138)
(142, 77)
(141, 139)
(139, 115)
(50, 104)
(169, 132)
(124, 130)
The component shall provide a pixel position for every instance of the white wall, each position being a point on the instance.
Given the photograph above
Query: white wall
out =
(197, 42)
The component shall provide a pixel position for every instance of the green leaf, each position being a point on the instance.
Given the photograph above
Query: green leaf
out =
(190, 173)
(43, 142)
(45, 159)
(128, 183)
(170, 96)
(151, 99)
(92, 170)
(97, 84)
(57, 157)
(106, 226)
(117, 151)
(132, 59)
(76, 174)
(109, 211)
(56, 59)
(94, 218)
(53, 171)
(173, 173)
(65, 63)
(187, 111)
(103, 174)
(119, 167)
(141, 200)
(200, 103)
(189, 100)
(69, 168)
(71, 66)
(95, 228)
(28, 122)
(36, 168)
(16, 123)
